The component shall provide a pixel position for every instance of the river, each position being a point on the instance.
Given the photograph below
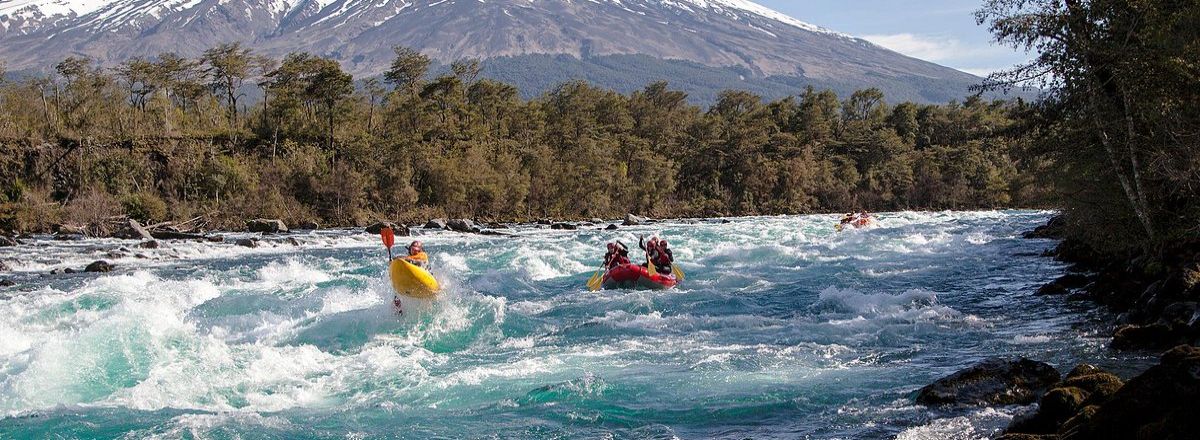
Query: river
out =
(783, 328)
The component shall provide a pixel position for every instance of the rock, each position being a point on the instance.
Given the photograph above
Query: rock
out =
(1158, 404)
(173, 235)
(564, 226)
(5, 282)
(115, 254)
(1056, 229)
(246, 242)
(69, 271)
(293, 241)
(612, 227)
(437, 223)
(545, 221)
(132, 230)
(68, 237)
(151, 244)
(633, 220)
(6, 241)
(1179, 314)
(68, 230)
(1064, 284)
(596, 220)
(399, 230)
(4, 267)
(992, 382)
(309, 226)
(462, 225)
(1152, 336)
(1026, 437)
(1054, 408)
(99, 266)
(267, 226)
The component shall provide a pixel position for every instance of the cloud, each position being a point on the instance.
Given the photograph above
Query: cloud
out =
(921, 46)
(980, 59)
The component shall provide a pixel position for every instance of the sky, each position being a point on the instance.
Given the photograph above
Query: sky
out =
(941, 31)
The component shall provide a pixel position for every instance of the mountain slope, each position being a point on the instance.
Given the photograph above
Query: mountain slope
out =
(720, 36)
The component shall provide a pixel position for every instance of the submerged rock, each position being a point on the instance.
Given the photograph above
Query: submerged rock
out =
(267, 226)
(149, 244)
(5, 282)
(992, 382)
(99, 266)
(1064, 284)
(564, 226)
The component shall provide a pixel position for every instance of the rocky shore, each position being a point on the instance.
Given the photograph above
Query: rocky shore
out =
(1155, 296)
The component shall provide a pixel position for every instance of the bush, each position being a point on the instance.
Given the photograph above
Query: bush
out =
(145, 207)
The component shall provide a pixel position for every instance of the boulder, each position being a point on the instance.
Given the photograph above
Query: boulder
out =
(633, 220)
(399, 230)
(1151, 336)
(99, 266)
(130, 229)
(149, 244)
(437, 223)
(1064, 284)
(462, 225)
(246, 242)
(612, 227)
(69, 271)
(68, 237)
(267, 226)
(1056, 229)
(6, 241)
(5, 282)
(1158, 404)
(68, 230)
(545, 222)
(992, 382)
(309, 226)
(564, 226)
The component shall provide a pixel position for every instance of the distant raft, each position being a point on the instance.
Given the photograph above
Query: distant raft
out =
(412, 281)
(632, 276)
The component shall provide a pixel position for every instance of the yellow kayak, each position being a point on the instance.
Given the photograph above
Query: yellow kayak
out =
(410, 280)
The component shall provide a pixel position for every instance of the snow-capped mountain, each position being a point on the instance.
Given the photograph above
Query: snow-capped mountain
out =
(755, 42)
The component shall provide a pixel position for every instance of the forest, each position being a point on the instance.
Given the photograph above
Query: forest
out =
(233, 135)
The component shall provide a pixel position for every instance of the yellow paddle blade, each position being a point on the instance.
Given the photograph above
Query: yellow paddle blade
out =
(678, 272)
(595, 282)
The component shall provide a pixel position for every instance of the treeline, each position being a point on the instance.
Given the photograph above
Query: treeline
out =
(172, 138)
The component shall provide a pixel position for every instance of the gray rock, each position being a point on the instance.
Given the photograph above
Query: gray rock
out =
(99, 266)
(437, 223)
(992, 382)
(5, 282)
(633, 220)
(267, 226)
(399, 230)
(564, 226)
(463, 225)
(150, 244)
(69, 271)
(246, 242)
(132, 230)
(6, 241)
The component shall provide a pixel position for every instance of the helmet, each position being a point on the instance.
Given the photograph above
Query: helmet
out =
(612, 247)
(662, 243)
(416, 246)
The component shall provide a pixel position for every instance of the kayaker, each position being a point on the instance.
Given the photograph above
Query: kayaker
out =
(416, 254)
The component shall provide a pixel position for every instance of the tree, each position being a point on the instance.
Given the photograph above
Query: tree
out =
(229, 65)
(407, 70)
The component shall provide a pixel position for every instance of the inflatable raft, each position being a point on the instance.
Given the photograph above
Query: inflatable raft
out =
(410, 280)
(632, 276)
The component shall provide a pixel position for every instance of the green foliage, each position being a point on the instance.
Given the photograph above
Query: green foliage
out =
(160, 139)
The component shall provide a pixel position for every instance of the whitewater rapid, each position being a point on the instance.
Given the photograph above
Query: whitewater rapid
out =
(784, 328)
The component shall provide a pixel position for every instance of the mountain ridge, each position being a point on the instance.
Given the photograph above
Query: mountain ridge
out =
(718, 34)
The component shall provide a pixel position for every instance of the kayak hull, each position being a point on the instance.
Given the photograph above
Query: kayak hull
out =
(632, 276)
(412, 281)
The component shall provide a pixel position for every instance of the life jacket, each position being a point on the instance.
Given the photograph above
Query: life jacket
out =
(421, 259)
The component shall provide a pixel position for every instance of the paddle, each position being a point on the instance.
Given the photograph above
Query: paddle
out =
(389, 240)
(596, 281)
(677, 271)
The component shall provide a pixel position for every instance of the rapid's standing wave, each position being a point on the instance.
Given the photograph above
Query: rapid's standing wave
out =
(783, 329)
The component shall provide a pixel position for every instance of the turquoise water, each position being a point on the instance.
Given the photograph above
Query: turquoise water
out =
(783, 329)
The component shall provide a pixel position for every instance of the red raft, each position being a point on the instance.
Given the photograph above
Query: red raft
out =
(632, 276)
